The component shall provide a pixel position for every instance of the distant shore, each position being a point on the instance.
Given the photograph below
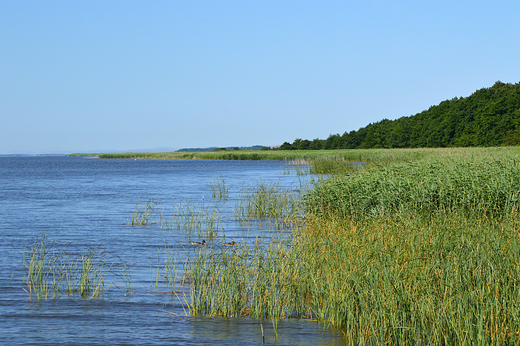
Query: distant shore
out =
(379, 156)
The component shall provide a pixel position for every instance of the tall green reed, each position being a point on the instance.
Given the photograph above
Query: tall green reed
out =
(43, 268)
(93, 271)
(438, 279)
(239, 281)
(334, 166)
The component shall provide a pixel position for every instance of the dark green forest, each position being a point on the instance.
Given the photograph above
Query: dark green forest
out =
(488, 117)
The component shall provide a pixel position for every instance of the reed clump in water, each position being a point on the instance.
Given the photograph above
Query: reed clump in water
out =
(144, 214)
(51, 268)
(204, 221)
(425, 252)
(239, 281)
(219, 188)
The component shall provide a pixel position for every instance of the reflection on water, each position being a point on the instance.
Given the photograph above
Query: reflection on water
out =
(84, 202)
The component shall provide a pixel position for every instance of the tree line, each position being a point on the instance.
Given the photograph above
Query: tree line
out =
(488, 117)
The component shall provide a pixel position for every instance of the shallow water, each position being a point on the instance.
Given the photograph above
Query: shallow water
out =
(80, 201)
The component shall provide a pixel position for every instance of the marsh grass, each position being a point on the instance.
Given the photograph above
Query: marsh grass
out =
(437, 279)
(371, 157)
(144, 214)
(50, 269)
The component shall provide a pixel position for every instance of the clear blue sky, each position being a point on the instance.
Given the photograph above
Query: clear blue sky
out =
(79, 76)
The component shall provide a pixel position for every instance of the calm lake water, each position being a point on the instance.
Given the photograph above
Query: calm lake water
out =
(83, 201)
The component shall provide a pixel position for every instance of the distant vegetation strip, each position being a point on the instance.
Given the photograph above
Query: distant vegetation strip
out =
(85, 154)
(228, 155)
(254, 147)
(369, 156)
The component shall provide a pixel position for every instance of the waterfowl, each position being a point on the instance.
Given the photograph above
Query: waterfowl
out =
(230, 244)
(203, 242)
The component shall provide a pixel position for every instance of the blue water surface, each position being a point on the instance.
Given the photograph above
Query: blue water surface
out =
(83, 202)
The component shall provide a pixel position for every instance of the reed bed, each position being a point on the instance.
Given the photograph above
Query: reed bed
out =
(429, 280)
(334, 166)
(489, 186)
(51, 269)
(381, 156)
(418, 252)
(218, 155)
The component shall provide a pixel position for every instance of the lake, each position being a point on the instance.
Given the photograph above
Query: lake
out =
(81, 203)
